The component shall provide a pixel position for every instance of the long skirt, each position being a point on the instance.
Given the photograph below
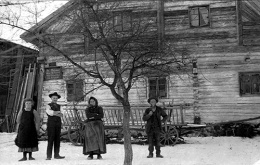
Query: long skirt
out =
(94, 142)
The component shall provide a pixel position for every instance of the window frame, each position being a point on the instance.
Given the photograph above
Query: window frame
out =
(49, 76)
(241, 85)
(122, 28)
(75, 95)
(190, 19)
(157, 78)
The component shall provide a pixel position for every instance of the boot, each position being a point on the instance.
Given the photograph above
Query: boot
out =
(24, 157)
(99, 156)
(150, 155)
(90, 157)
(159, 156)
(30, 156)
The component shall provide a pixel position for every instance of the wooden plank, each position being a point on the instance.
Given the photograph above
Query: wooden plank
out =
(17, 76)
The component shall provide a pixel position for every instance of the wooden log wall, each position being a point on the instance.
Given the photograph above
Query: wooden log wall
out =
(219, 60)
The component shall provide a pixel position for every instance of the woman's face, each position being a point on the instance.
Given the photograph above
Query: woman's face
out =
(92, 102)
(28, 104)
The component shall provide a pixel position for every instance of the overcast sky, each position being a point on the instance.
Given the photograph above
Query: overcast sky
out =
(25, 16)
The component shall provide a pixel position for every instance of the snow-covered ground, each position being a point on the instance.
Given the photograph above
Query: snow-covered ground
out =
(196, 151)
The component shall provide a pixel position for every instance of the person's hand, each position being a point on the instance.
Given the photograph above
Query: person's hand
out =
(60, 114)
(150, 113)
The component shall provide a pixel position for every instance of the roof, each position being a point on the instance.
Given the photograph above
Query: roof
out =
(29, 36)
(8, 46)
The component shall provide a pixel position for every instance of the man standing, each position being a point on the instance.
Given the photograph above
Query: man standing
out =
(153, 126)
(53, 111)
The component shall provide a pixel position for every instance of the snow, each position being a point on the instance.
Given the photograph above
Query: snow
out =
(195, 151)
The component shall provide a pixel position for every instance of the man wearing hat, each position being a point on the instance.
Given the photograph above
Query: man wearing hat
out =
(153, 126)
(54, 114)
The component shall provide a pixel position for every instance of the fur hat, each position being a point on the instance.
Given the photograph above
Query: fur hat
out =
(54, 94)
(151, 99)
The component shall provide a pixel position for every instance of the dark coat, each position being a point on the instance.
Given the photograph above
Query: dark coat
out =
(159, 112)
(94, 113)
(27, 134)
(54, 121)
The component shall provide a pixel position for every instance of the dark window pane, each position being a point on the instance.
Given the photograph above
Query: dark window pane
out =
(152, 82)
(70, 86)
(249, 83)
(75, 90)
(157, 87)
(255, 83)
(152, 93)
(162, 81)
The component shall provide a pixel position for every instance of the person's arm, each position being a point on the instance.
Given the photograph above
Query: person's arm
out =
(36, 120)
(18, 120)
(147, 114)
(50, 112)
(98, 115)
(164, 115)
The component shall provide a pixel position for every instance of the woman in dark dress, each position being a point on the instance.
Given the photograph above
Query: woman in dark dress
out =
(28, 120)
(94, 143)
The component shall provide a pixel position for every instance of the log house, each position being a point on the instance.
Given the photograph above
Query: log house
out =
(222, 37)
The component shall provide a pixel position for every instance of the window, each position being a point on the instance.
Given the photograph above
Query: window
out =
(122, 21)
(75, 90)
(158, 87)
(199, 16)
(249, 83)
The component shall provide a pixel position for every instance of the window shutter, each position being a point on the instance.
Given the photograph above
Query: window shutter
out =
(79, 90)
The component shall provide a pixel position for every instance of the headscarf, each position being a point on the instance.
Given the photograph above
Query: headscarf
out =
(93, 98)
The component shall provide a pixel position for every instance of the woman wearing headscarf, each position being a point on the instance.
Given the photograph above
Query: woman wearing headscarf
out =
(94, 142)
(27, 137)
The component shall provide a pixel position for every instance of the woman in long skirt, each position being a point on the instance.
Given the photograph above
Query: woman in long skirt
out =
(28, 120)
(94, 143)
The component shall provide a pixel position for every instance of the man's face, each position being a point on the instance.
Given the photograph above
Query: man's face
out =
(153, 102)
(54, 99)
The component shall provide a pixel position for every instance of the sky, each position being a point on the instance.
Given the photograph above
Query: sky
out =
(24, 15)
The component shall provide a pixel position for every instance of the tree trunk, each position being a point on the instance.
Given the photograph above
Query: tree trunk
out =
(127, 134)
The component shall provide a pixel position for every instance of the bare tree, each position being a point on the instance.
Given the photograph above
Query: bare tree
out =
(126, 44)
(129, 50)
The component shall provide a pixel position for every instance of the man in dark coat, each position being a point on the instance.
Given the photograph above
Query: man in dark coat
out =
(153, 127)
(53, 111)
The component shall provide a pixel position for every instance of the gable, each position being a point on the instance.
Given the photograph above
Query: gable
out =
(251, 11)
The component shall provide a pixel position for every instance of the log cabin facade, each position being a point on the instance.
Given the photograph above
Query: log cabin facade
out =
(222, 37)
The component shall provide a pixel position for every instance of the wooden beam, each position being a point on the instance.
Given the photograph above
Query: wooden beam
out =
(40, 86)
(239, 22)
(160, 24)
